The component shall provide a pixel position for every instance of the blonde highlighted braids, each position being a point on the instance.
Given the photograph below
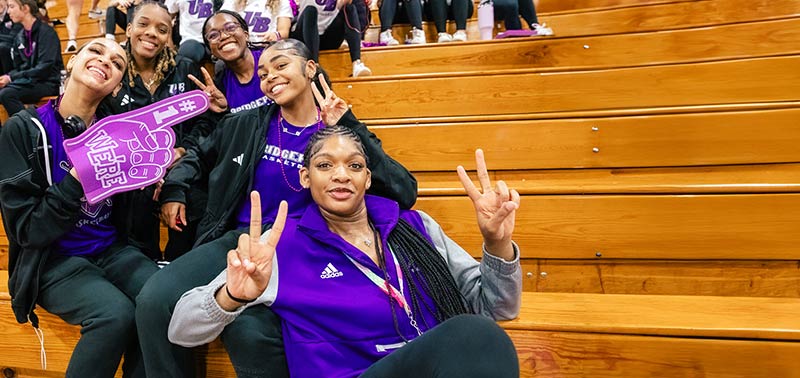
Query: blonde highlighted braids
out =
(165, 60)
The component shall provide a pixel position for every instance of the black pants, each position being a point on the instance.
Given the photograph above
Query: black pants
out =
(253, 340)
(116, 17)
(98, 294)
(458, 11)
(345, 26)
(14, 97)
(305, 30)
(466, 346)
(389, 10)
(510, 10)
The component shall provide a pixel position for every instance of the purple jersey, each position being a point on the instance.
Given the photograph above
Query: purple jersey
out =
(248, 95)
(93, 232)
(277, 174)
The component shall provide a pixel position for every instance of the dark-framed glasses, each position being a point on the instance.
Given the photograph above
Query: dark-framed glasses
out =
(229, 29)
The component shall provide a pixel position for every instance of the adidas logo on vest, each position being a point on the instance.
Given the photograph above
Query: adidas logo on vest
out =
(330, 272)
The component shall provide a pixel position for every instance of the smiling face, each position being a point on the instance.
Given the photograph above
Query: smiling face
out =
(98, 65)
(149, 31)
(226, 38)
(284, 75)
(16, 12)
(337, 176)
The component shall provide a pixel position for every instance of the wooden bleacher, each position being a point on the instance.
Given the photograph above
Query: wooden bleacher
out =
(654, 145)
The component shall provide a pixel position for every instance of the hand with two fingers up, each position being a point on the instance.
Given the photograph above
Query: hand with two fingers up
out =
(250, 264)
(217, 101)
(495, 209)
(331, 107)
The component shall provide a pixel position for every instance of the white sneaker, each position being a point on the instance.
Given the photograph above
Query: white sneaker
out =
(72, 46)
(359, 69)
(445, 37)
(460, 35)
(387, 38)
(417, 37)
(542, 29)
(97, 14)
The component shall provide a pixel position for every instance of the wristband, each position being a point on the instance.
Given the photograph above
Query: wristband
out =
(237, 300)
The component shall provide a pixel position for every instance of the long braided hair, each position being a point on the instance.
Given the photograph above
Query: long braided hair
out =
(418, 259)
(165, 60)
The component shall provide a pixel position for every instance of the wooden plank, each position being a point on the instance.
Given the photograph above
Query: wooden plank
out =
(643, 141)
(675, 227)
(579, 355)
(664, 277)
(677, 15)
(757, 80)
(553, 6)
(761, 178)
(660, 315)
(765, 38)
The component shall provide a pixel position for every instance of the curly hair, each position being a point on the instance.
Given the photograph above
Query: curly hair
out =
(165, 60)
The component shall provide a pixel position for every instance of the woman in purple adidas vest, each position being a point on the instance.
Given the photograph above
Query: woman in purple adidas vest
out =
(258, 149)
(71, 258)
(364, 288)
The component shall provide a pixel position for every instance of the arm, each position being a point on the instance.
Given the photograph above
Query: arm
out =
(389, 178)
(45, 57)
(202, 313)
(492, 287)
(36, 215)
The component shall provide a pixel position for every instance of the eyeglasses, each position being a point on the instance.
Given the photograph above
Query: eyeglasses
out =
(229, 29)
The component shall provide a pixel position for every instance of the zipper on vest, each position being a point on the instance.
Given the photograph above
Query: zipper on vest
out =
(388, 347)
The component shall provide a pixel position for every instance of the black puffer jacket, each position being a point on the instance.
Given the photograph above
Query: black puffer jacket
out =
(44, 65)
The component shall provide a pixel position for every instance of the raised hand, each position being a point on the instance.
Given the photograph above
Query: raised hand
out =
(217, 101)
(495, 208)
(250, 264)
(331, 108)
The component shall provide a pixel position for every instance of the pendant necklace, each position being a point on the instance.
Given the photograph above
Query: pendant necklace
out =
(297, 134)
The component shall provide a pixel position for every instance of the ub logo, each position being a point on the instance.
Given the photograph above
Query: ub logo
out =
(257, 23)
(200, 9)
(177, 88)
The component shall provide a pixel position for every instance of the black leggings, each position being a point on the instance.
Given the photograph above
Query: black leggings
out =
(460, 10)
(389, 9)
(114, 18)
(14, 97)
(344, 26)
(510, 10)
(305, 30)
(466, 346)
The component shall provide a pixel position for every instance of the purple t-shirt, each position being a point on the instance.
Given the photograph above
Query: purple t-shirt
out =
(277, 175)
(244, 96)
(93, 232)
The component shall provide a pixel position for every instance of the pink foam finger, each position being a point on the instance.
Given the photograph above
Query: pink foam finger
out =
(131, 150)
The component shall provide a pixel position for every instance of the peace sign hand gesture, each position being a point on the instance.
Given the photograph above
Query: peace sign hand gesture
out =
(331, 108)
(495, 209)
(217, 101)
(250, 264)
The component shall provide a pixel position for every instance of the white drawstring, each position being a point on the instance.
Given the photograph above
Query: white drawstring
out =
(42, 353)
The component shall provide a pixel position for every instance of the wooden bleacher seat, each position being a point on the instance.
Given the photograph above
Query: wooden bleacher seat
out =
(557, 334)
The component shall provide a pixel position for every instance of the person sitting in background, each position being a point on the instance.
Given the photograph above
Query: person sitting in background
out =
(388, 10)
(71, 258)
(37, 66)
(324, 25)
(509, 11)
(191, 16)
(365, 249)
(457, 10)
(8, 30)
(118, 14)
(268, 20)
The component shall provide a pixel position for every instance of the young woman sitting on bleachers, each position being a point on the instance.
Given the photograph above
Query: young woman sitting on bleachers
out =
(457, 10)
(8, 30)
(37, 64)
(225, 33)
(71, 258)
(364, 288)
(256, 149)
(155, 72)
(323, 25)
(267, 20)
(118, 14)
(191, 15)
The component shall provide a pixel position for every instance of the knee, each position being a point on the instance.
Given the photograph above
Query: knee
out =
(154, 299)
(476, 332)
(310, 12)
(115, 317)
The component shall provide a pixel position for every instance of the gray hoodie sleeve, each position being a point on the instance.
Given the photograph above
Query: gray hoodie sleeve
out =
(198, 319)
(492, 287)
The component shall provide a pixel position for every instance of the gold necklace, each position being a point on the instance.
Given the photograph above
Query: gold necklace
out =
(150, 83)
